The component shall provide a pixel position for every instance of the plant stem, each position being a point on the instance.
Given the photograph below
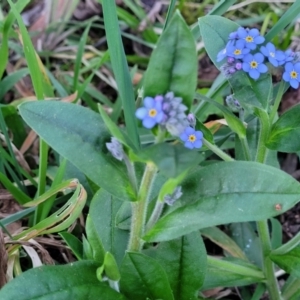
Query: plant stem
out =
(271, 281)
(217, 151)
(159, 205)
(277, 101)
(263, 135)
(262, 226)
(245, 147)
(131, 173)
(139, 208)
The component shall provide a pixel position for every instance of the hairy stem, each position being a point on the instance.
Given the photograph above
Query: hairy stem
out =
(217, 151)
(139, 209)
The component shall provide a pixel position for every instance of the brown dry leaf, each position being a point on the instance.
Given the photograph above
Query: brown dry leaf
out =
(86, 9)
(3, 261)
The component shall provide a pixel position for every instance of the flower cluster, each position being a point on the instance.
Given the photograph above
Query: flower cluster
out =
(245, 51)
(168, 112)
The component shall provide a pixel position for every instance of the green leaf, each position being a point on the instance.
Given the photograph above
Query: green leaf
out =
(184, 261)
(171, 160)
(215, 31)
(290, 262)
(103, 210)
(143, 277)
(221, 239)
(74, 243)
(111, 267)
(285, 133)
(173, 63)
(73, 281)
(94, 240)
(221, 193)
(233, 121)
(79, 135)
(225, 273)
(120, 68)
(252, 93)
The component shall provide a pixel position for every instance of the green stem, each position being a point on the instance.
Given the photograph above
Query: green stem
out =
(262, 226)
(217, 151)
(277, 101)
(263, 135)
(289, 246)
(42, 178)
(131, 173)
(271, 281)
(155, 214)
(139, 209)
(245, 147)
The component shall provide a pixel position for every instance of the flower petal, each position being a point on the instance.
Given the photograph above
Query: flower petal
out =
(189, 145)
(198, 144)
(253, 32)
(246, 67)
(149, 122)
(294, 83)
(286, 76)
(149, 102)
(289, 67)
(258, 57)
(141, 113)
(199, 135)
(254, 74)
(262, 68)
(273, 61)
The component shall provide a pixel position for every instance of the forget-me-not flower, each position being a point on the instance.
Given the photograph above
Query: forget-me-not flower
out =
(151, 114)
(192, 138)
(237, 50)
(251, 37)
(274, 56)
(253, 64)
(223, 53)
(292, 74)
(289, 55)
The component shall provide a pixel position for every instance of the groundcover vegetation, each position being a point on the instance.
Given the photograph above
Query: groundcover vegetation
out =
(166, 191)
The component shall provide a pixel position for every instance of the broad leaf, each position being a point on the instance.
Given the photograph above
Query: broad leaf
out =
(74, 281)
(290, 262)
(227, 192)
(103, 210)
(173, 64)
(285, 133)
(171, 160)
(143, 277)
(79, 135)
(184, 261)
(228, 273)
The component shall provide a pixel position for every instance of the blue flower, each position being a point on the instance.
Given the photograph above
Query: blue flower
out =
(192, 138)
(251, 37)
(292, 74)
(274, 56)
(223, 53)
(237, 50)
(289, 55)
(253, 64)
(151, 114)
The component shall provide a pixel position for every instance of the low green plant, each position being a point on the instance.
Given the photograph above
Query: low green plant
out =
(156, 190)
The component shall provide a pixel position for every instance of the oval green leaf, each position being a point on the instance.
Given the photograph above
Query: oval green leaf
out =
(184, 261)
(74, 281)
(224, 193)
(285, 133)
(173, 64)
(143, 277)
(79, 135)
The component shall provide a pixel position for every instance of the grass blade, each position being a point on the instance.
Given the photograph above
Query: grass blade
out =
(120, 68)
(284, 21)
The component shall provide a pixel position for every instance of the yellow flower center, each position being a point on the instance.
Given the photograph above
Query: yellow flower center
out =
(237, 51)
(192, 138)
(249, 39)
(253, 64)
(152, 112)
(294, 74)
